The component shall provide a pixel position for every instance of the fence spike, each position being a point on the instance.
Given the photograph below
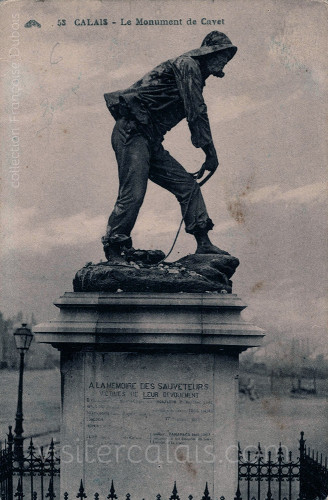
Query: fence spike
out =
(174, 495)
(206, 493)
(65, 495)
(302, 448)
(31, 448)
(222, 498)
(112, 495)
(10, 436)
(190, 497)
(280, 454)
(269, 494)
(51, 452)
(158, 496)
(19, 491)
(240, 454)
(128, 496)
(51, 494)
(258, 452)
(35, 495)
(81, 494)
(238, 494)
(96, 496)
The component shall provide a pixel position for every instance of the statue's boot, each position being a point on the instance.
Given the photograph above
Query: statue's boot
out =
(113, 252)
(205, 246)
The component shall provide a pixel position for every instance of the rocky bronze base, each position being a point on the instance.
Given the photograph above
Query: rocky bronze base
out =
(140, 273)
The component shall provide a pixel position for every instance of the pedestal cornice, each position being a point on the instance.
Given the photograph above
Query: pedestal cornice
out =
(190, 322)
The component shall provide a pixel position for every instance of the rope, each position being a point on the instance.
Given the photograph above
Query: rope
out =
(196, 175)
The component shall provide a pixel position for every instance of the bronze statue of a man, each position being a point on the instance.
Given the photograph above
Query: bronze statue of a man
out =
(144, 113)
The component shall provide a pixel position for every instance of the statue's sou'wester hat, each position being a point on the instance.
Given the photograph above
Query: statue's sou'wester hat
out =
(214, 42)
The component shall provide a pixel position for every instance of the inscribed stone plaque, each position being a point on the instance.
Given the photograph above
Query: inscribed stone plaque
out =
(148, 412)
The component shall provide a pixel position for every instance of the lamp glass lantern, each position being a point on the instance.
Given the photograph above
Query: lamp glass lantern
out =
(23, 338)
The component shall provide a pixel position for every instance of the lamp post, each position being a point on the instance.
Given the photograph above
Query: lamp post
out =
(23, 338)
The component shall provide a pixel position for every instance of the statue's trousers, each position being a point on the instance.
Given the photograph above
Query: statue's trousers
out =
(140, 159)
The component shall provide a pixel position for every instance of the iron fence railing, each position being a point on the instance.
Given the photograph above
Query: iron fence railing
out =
(280, 476)
(113, 496)
(269, 475)
(33, 474)
(261, 476)
(313, 473)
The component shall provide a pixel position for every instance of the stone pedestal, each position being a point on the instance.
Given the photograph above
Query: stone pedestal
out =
(149, 391)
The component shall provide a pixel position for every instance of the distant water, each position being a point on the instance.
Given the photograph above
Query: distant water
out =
(41, 403)
(268, 419)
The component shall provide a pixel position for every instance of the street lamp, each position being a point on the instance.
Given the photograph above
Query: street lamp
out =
(23, 338)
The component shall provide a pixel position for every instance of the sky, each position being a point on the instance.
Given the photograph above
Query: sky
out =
(269, 125)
